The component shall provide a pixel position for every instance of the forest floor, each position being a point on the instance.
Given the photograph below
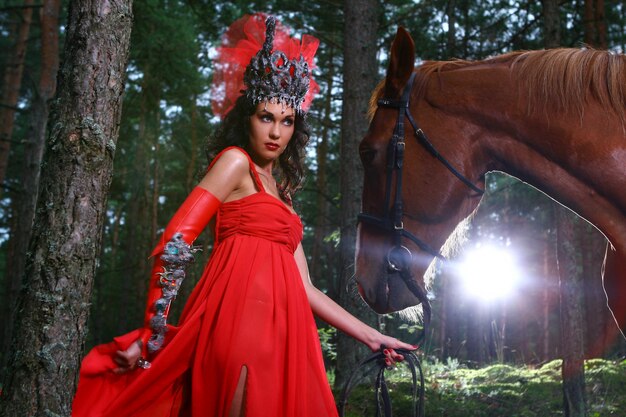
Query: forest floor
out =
(453, 390)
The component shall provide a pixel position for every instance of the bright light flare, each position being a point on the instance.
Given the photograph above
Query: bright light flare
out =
(489, 273)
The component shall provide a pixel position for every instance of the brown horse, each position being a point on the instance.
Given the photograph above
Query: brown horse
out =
(555, 119)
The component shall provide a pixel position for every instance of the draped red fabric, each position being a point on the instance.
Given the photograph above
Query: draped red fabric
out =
(249, 309)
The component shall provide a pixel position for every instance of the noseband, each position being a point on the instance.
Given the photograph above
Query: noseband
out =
(399, 256)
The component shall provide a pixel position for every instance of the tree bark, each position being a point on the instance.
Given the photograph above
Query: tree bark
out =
(588, 22)
(103, 312)
(451, 12)
(500, 330)
(572, 320)
(11, 88)
(623, 26)
(321, 228)
(192, 166)
(359, 79)
(140, 224)
(551, 24)
(454, 314)
(596, 312)
(54, 305)
(600, 25)
(442, 307)
(547, 303)
(26, 199)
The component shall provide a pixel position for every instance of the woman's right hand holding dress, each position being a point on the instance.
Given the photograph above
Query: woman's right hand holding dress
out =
(127, 359)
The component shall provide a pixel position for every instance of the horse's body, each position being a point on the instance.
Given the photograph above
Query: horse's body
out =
(553, 119)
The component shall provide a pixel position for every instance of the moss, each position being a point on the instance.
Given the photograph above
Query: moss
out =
(499, 390)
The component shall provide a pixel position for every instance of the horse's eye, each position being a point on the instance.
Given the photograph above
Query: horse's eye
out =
(367, 155)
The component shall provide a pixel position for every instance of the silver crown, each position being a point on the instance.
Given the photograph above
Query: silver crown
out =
(274, 78)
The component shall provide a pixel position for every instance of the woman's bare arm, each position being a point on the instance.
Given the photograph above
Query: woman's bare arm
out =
(332, 313)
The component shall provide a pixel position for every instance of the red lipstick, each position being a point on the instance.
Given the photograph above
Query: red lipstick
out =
(272, 146)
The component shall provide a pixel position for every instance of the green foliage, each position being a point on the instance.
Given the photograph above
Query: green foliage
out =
(327, 337)
(468, 30)
(499, 390)
(411, 328)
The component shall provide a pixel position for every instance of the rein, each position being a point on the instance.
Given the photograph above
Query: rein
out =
(377, 360)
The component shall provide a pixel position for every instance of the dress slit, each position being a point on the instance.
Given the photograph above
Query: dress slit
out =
(239, 397)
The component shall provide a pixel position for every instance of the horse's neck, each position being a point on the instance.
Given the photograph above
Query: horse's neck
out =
(577, 159)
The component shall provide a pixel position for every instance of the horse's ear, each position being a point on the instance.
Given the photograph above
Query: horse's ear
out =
(401, 63)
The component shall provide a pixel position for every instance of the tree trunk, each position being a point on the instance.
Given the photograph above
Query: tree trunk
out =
(592, 250)
(26, 199)
(54, 306)
(590, 28)
(11, 88)
(454, 337)
(443, 315)
(600, 25)
(500, 332)
(156, 184)
(475, 335)
(451, 12)
(623, 26)
(547, 303)
(551, 24)
(359, 79)
(572, 321)
(321, 228)
(103, 312)
(192, 166)
(467, 32)
(139, 228)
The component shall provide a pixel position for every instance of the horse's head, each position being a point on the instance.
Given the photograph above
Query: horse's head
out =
(411, 200)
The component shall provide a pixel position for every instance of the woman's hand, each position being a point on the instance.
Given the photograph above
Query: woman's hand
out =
(390, 344)
(127, 359)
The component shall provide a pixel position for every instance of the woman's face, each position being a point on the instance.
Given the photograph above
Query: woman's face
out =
(271, 128)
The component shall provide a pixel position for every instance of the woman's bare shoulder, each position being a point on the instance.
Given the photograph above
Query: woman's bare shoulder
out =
(227, 173)
(232, 156)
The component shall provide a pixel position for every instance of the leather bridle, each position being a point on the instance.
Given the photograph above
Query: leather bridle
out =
(399, 256)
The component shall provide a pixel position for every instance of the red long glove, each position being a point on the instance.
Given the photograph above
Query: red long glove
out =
(190, 220)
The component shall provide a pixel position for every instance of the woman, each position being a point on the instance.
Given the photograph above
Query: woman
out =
(247, 342)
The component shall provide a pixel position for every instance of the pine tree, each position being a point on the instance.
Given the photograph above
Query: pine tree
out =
(54, 305)
(360, 77)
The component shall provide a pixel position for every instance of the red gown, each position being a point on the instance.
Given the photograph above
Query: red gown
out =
(249, 309)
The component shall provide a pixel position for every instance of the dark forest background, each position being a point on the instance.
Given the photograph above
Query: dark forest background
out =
(167, 120)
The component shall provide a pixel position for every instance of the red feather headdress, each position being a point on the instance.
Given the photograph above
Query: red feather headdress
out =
(276, 70)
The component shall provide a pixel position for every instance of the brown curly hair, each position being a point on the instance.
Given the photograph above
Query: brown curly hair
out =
(235, 131)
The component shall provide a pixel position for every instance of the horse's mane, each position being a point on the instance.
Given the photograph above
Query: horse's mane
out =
(563, 79)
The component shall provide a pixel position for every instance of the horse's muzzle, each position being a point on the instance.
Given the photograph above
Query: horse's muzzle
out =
(388, 294)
